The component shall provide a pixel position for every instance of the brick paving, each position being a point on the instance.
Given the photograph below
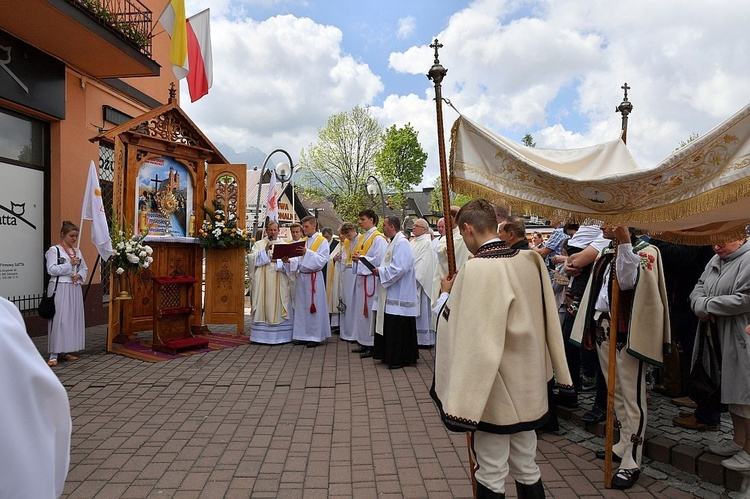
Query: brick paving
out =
(288, 421)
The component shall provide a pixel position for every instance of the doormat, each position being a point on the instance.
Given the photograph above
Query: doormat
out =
(141, 349)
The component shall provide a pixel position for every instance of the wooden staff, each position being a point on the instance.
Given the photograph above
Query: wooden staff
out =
(624, 108)
(436, 74)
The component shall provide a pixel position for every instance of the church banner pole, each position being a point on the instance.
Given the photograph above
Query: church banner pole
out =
(624, 108)
(436, 74)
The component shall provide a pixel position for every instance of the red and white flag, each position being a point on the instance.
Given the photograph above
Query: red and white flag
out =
(272, 208)
(173, 20)
(200, 61)
(93, 209)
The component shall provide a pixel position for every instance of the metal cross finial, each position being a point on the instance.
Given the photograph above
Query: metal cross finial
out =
(626, 88)
(436, 45)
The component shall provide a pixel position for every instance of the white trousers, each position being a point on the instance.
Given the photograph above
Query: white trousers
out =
(630, 403)
(498, 455)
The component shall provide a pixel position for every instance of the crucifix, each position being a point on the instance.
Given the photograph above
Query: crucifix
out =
(156, 182)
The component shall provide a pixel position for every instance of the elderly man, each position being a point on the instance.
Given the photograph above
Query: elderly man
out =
(512, 232)
(272, 299)
(311, 323)
(424, 270)
(396, 306)
(642, 334)
(459, 250)
(496, 338)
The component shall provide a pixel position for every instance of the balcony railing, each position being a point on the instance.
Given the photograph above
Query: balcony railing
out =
(130, 19)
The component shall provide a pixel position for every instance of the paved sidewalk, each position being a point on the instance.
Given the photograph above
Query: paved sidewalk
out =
(288, 421)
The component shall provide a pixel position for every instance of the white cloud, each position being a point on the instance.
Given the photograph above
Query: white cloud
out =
(406, 27)
(550, 68)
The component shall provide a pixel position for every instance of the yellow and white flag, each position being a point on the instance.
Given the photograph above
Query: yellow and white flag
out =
(93, 209)
(173, 20)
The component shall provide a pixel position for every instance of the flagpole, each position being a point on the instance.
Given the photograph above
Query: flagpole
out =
(624, 108)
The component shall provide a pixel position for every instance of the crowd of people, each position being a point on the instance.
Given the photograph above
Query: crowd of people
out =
(518, 330)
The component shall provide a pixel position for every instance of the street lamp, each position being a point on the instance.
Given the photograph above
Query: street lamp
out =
(296, 169)
(281, 171)
(373, 189)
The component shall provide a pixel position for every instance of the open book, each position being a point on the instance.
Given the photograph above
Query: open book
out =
(280, 250)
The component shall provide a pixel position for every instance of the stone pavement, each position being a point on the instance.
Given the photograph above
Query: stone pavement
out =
(288, 421)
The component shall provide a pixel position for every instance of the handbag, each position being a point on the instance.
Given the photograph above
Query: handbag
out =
(46, 309)
(704, 386)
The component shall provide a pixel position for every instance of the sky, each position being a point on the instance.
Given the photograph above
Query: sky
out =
(553, 69)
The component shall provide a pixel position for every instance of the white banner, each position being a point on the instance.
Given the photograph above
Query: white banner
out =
(21, 231)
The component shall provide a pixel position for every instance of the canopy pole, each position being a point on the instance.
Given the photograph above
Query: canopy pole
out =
(624, 108)
(436, 74)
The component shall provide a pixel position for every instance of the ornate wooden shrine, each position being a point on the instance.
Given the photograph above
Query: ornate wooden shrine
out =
(160, 164)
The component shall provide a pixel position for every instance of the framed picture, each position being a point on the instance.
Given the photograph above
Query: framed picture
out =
(164, 197)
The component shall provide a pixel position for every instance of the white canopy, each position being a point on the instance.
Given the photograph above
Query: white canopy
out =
(699, 194)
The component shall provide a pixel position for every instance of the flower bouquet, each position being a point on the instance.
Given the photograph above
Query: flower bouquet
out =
(130, 255)
(219, 230)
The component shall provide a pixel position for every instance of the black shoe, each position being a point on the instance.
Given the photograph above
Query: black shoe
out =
(359, 349)
(595, 415)
(600, 455)
(396, 366)
(366, 354)
(299, 342)
(533, 491)
(567, 398)
(485, 493)
(624, 479)
(312, 344)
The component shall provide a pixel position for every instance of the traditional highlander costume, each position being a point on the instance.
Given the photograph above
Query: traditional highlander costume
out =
(498, 337)
(397, 306)
(311, 321)
(643, 335)
(272, 307)
(371, 245)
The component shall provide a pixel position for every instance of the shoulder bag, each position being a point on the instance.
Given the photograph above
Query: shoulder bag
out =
(46, 308)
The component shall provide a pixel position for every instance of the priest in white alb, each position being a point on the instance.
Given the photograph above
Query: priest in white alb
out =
(370, 245)
(272, 300)
(311, 323)
(424, 270)
(397, 306)
(459, 249)
(347, 241)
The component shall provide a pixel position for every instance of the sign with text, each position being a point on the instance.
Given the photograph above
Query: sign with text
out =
(21, 231)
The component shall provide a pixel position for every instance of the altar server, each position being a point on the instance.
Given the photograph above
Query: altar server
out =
(370, 245)
(397, 305)
(311, 323)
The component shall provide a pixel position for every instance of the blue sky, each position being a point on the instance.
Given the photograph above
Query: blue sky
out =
(550, 68)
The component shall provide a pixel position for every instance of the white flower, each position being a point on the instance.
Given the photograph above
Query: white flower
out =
(120, 270)
(142, 254)
(232, 216)
(148, 249)
(145, 265)
(132, 258)
(216, 232)
(149, 259)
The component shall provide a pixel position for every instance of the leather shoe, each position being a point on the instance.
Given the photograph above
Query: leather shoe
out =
(396, 366)
(359, 350)
(366, 354)
(685, 402)
(601, 455)
(691, 423)
(312, 344)
(298, 342)
(595, 415)
(624, 479)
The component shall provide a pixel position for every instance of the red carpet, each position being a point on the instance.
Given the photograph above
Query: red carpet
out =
(141, 349)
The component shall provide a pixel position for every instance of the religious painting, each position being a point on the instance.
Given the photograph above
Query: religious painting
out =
(164, 195)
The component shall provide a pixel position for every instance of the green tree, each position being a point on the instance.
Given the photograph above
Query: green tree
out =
(401, 162)
(528, 140)
(339, 163)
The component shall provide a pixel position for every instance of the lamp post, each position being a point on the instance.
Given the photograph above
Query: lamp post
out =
(295, 169)
(284, 167)
(372, 190)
